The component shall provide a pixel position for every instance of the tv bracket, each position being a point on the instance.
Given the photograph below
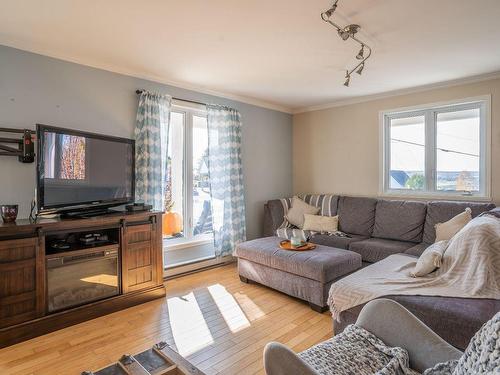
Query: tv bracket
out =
(25, 150)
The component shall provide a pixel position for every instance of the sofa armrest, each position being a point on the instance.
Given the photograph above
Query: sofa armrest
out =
(273, 217)
(279, 360)
(396, 326)
(268, 229)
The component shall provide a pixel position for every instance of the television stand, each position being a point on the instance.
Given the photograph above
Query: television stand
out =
(35, 275)
(87, 214)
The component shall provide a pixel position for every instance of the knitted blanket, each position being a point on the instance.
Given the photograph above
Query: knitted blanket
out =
(357, 351)
(480, 357)
(470, 269)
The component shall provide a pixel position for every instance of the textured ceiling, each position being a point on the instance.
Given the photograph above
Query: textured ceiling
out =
(276, 52)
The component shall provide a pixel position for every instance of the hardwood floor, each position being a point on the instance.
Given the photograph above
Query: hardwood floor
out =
(213, 319)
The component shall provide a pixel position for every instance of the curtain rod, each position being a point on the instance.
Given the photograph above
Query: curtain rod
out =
(138, 92)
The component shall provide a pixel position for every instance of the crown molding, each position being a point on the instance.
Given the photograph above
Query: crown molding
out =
(250, 100)
(154, 78)
(390, 94)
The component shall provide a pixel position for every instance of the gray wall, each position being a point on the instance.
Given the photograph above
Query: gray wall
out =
(38, 89)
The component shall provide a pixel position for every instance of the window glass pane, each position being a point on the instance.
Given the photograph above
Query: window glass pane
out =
(458, 145)
(202, 212)
(407, 159)
(174, 192)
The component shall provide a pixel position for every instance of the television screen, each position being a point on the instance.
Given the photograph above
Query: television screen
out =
(78, 169)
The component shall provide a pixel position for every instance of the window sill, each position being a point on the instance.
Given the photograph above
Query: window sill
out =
(182, 243)
(428, 196)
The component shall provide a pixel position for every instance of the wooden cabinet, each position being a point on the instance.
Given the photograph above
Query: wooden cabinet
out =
(24, 284)
(21, 280)
(140, 257)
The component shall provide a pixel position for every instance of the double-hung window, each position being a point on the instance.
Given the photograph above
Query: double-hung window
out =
(188, 222)
(437, 150)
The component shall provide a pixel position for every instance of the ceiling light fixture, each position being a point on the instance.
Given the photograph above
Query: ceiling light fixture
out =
(361, 52)
(327, 14)
(348, 78)
(349, 32)
(360, 69)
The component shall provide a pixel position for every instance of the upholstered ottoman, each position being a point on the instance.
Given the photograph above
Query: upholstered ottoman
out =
(307, 275)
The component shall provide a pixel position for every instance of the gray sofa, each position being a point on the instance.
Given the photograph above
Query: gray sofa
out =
(378, 228)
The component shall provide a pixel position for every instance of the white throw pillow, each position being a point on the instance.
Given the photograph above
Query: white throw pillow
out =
(430, 259)
(323, 224)
(446, 230)
(295, 215)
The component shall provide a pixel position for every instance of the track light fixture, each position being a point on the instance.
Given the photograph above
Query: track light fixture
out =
(348, 78)
(361, 52)
(360, 69)
(327, 14)
(345, 33)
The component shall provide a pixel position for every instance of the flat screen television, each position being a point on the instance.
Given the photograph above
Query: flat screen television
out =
(80, 171)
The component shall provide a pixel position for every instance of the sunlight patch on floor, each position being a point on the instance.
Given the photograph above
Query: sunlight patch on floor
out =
(251, 310)
(189, 329)
(232, 313)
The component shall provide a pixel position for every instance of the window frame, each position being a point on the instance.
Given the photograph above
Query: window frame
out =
(188, 239)
(430, 112)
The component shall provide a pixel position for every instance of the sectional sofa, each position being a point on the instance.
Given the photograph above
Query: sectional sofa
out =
(378, 228)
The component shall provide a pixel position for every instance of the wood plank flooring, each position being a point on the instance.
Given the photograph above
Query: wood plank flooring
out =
(217, 322)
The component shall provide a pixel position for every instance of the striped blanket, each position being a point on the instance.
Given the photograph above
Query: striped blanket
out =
(328, 207)
(470, 269)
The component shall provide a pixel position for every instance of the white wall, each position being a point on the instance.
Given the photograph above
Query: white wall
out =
(337, 149)
(38, 89)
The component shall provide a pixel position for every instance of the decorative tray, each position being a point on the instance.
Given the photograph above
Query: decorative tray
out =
(286, 245)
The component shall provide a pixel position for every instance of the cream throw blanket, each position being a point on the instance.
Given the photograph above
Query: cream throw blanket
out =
(470, 269)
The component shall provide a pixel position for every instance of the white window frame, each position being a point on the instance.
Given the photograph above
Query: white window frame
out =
(430, 111)
(188, 239)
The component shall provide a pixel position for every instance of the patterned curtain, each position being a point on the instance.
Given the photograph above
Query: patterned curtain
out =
(151, 139)
(226, 178)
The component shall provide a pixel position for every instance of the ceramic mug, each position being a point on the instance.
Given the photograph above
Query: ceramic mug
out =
(9, 212)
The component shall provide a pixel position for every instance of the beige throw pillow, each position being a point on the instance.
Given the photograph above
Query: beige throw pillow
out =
(446, 230)
(323, 224)
(430, 259)
(299, 208)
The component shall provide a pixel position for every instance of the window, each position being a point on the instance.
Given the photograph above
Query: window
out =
(188, 222)
(437, 150)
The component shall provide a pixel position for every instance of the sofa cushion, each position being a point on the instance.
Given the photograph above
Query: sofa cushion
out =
(399, 220)
(295, 214)
(322, 224)
(417, 250)
(336, 241)
(446, 230)
(441, 211)
(322, 264)
(326, 202)
(375, 249)
(357, 215)
(430, 260)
